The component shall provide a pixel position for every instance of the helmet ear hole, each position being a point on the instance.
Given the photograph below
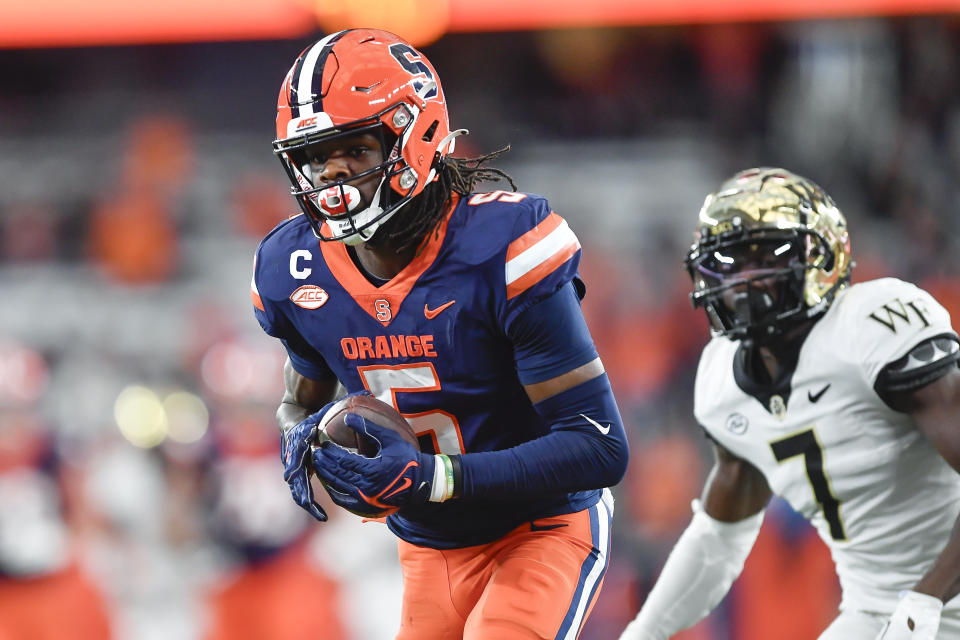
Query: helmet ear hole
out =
(830, 259)
(825, 257)
(431, 130)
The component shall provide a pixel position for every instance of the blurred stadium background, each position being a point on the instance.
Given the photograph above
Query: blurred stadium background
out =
(140, 491)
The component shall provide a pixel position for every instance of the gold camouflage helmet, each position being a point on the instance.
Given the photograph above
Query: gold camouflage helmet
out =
(780, 208)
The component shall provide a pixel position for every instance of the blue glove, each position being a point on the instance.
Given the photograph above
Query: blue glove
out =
(398, 476)
(294, 449)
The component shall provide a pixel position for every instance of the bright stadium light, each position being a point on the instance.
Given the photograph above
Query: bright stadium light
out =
(187, 417)
(140, 416)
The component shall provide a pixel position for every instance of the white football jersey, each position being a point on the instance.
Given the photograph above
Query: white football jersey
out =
(878, 493)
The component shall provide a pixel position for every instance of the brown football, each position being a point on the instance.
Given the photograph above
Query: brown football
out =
(333, 427)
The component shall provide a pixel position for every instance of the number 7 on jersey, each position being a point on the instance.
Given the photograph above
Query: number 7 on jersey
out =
(807, 444)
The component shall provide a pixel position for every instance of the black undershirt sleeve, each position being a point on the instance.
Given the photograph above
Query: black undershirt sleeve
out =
(927, 362)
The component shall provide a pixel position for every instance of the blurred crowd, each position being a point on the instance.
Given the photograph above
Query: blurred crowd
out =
(140, 486)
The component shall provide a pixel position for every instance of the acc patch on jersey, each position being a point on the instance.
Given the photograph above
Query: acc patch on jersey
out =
(309, 296)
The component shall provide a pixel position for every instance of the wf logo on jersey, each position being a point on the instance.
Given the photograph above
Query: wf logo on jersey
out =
(889, 313)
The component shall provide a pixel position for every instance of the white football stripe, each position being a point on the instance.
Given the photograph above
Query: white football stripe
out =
(305, 82)
(542, 251)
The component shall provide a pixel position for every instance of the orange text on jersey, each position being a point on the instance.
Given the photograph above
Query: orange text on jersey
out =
(388, 347)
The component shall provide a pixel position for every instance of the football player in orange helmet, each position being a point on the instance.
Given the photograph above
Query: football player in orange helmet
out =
(375, 90)
(460, 309)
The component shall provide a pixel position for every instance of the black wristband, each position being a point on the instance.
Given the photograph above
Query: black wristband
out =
(457, 475)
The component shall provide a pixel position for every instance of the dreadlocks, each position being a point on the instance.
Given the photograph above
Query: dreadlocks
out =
(423, 213)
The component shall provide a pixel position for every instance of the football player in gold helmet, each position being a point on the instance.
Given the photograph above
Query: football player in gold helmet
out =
(842, 399)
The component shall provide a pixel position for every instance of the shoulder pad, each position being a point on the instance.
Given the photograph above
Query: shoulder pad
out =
(882, 320)
(541, 255)
(273, 264)
(273, 260)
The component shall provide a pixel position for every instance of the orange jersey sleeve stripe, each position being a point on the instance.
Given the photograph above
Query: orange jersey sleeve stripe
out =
(542, 270)
(257, 302)
(535, 235)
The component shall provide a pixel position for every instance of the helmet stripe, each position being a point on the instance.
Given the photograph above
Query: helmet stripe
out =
(309, 66)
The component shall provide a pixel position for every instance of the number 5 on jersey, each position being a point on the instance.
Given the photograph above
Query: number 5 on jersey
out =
(807, 444)
(386, 381)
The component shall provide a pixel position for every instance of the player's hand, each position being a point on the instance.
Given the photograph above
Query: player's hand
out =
(398, 476)
(917, 617)
(295, 444)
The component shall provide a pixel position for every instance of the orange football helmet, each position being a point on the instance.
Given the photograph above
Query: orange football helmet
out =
(361, 81)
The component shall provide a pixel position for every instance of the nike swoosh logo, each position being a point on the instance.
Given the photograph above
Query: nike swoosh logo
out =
(545, 527)
(406, 483)
(813, 397)
(602, 429)
(433, 313)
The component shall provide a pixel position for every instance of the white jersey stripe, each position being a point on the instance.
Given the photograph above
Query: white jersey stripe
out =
(551, 244)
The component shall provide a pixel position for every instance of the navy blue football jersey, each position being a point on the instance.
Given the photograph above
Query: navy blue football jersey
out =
(434, 341)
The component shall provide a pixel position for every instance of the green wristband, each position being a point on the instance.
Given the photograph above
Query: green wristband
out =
(448, 471)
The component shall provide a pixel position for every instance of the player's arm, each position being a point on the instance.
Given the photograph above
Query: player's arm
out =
(936, 411)
(304, 402)
(926, 385)
(735, 489)
(558, 365)
(710, 553)
(309, 385)
(309, 390)
(303, 396)
(540, 391)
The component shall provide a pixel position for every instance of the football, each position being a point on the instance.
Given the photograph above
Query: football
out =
(333, 427)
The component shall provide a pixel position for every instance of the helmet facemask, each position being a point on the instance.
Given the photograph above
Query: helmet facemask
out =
(350, 216)
(751, 282)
